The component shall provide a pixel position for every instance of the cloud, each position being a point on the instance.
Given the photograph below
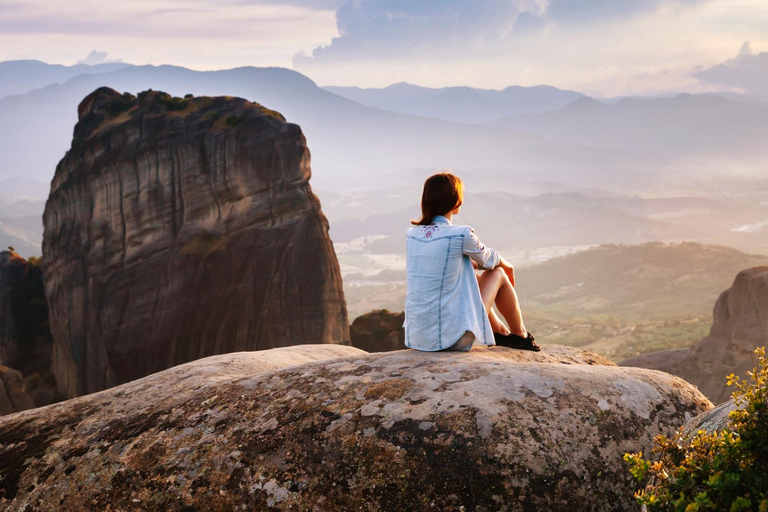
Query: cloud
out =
(97, 57)
(428, 28)
(747, 71)
(320, 5)
(431, 29)
(589, 11)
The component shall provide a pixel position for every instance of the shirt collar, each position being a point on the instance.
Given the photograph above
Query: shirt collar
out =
(440, 219)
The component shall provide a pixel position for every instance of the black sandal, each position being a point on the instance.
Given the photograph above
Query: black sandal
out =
(515, 341)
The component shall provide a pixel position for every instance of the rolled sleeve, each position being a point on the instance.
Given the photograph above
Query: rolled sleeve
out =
(485, 257)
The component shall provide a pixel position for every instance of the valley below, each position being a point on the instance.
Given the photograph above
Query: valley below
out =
(616, 300)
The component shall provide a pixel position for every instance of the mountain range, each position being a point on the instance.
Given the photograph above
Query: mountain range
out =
(529, 148)
(460, 104)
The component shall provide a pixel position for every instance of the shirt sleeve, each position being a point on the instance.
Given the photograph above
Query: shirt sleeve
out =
(485, 257)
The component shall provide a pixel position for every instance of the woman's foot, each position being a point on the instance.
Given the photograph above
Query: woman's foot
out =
(515, 341)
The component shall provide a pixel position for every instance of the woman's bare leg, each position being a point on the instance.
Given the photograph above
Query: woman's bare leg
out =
(496, 287)
(496, 323)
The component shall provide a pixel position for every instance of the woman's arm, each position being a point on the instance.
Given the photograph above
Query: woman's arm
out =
(485, 257)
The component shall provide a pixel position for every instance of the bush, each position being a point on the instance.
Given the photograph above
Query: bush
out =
(173, 103)
(117, 106)
(725, 470)
(234, 120)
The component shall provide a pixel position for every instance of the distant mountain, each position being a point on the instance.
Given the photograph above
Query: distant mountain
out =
(353, 146)
(22, 76)
(461, 104)
(683, 126)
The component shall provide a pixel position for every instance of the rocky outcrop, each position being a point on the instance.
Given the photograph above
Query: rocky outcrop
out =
(740, 325)
(489, 429)
(713, 420)
(26, 344)
(13, 398)
(13, 278)
(378, 331)
(182, 228)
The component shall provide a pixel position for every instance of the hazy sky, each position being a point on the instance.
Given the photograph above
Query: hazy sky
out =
(601, 47)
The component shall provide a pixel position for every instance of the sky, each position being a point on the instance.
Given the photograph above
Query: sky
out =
(600, 47)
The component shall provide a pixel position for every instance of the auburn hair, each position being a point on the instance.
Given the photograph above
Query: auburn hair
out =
(442, 193)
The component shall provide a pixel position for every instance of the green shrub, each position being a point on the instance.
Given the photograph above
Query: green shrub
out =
(234, 120)
(117, 106)
(174, 104)
(725, 470)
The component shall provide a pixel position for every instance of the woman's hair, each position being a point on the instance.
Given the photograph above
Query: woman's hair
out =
(442, 193)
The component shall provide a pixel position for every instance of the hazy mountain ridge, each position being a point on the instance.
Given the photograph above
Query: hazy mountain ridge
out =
(461, 104)
(23, 76)
(684, 125)
(352, 143)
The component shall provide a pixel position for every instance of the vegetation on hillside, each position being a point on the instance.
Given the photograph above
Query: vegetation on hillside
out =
(723, 470)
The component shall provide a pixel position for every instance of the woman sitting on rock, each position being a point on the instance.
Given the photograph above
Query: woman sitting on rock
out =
(448, 306)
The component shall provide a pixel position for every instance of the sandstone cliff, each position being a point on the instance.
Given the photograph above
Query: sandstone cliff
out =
(740, 325)
(181, 228)
(490, 429)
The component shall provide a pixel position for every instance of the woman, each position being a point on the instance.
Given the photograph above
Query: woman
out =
(447, 306)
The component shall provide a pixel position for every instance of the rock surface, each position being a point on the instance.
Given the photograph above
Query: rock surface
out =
(378, 331)
(489, 429)
(712, 420)
(182, 228)
(740, 325)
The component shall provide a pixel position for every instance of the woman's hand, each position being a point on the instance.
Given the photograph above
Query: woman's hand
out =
(509, 270)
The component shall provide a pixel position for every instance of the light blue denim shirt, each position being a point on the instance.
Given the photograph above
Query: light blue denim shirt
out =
(443, 297)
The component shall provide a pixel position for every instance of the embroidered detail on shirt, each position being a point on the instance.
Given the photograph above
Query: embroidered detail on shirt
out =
(428, 230)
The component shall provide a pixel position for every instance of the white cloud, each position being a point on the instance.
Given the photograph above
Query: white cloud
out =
(747, 72)
(97, 57)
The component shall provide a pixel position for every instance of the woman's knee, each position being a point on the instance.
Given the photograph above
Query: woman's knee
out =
(501, 275)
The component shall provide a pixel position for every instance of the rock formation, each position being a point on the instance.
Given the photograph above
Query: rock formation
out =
(378, 331)
(12, 396)
(182, 228)
(25, 336)
(13, 275)
(490, 429)
(740, 325)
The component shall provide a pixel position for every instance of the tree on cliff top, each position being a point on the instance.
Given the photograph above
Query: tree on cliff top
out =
(725, 470)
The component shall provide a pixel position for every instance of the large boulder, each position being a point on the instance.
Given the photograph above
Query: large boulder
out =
(378, 331)
(182, 228)
(489, 429)
(740, 325)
